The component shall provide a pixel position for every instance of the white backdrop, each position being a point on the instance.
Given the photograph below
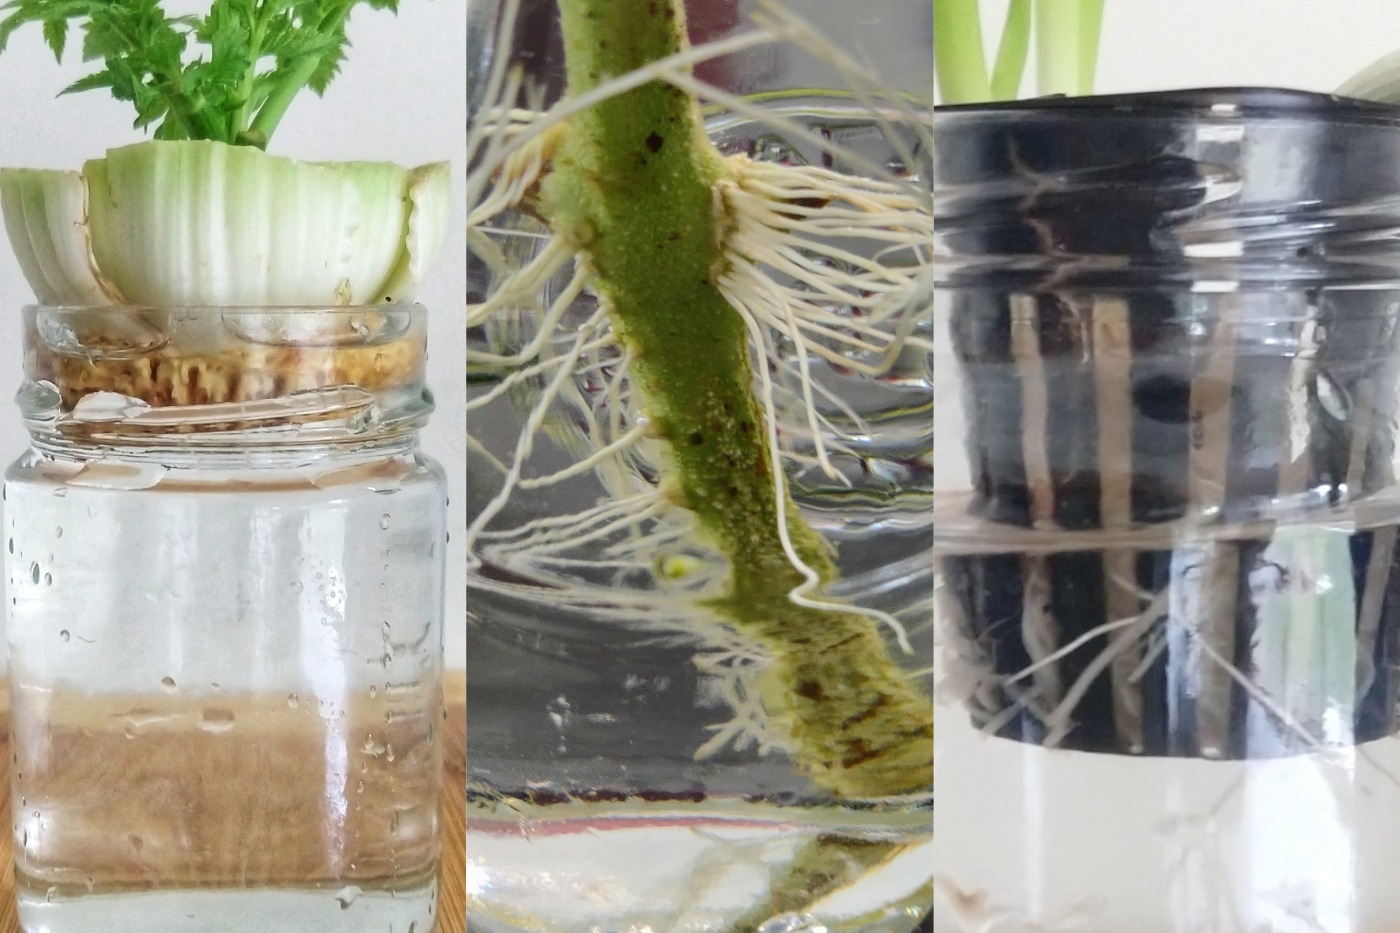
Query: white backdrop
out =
(1311, 45)
(401, 97)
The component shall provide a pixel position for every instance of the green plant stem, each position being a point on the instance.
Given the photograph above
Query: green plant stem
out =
(255, 42)
(273, 109)
(1012, 51)
(1090, 30)
(959, 63)
(1066, 50)
(633, 188)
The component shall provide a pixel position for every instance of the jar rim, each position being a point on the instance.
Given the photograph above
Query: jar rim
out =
(205, 377)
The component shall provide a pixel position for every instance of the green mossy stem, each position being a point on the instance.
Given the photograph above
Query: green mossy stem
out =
(633, 188)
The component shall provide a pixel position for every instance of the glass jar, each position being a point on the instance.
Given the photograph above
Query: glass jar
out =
(1168, 362)
(225, 566)
(625, 772)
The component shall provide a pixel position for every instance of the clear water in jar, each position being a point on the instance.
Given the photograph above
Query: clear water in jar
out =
(620, 778)
(226, 696)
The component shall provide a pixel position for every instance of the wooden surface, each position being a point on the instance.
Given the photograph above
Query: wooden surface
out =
(452, 896)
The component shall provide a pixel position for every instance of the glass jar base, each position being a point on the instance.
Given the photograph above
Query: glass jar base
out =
(713, 867)
(246, 910)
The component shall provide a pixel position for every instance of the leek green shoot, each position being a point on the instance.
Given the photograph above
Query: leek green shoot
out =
(252, 58)
(1066, 36)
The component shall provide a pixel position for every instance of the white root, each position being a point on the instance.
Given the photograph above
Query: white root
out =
(811, 579)
(526, 442)
(519, 376)
(587, 465)
(523, 288)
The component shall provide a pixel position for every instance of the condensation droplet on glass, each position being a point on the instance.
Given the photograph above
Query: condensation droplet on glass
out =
(168, 682)
(136, 842)
(384, 521)
(216, 720)
(12, 545)
(373, 691)
(63, 636)
(34, 572)
(48, 579)
(293, 701)
(58, 532)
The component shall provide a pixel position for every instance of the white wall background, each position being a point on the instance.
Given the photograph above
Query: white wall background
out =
(1311, 45)
(401, 97)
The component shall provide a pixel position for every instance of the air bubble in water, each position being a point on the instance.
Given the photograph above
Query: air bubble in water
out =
(775, 149)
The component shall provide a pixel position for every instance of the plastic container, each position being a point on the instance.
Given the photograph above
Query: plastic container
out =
(225, 563)
(1169, 611)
